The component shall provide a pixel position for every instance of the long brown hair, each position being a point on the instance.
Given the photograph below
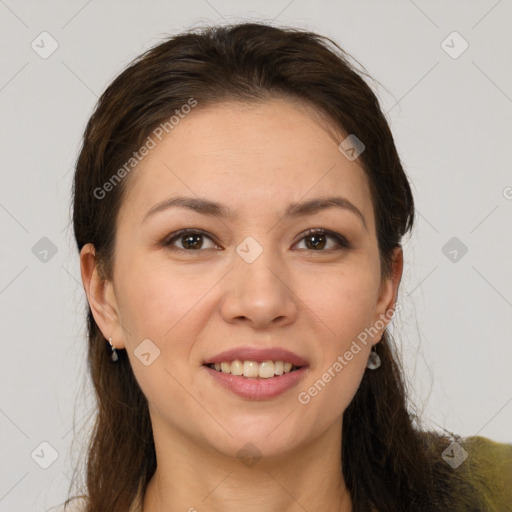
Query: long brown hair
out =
(388, 463)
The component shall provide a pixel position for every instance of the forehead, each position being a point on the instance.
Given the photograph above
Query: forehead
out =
(250, 156)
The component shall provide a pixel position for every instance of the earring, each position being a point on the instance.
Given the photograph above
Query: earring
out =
(373, 359)
(114, 355)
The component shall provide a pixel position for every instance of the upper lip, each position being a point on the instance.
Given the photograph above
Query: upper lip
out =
(258, 355)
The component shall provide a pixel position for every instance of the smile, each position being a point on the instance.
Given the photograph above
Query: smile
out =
(253, 369)
(257, 387)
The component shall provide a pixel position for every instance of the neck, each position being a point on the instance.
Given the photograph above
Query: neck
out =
(193, 478)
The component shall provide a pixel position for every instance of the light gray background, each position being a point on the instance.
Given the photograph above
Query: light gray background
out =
(452, 121)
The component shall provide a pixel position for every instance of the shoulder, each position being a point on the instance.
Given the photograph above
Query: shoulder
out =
(488, 470)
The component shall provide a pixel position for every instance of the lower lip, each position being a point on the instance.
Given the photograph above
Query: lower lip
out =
(256, 388)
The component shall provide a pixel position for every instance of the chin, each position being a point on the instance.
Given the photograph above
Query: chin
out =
(259, 436)
(257, 448)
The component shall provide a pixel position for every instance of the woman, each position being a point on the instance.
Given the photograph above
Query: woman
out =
(239, 206)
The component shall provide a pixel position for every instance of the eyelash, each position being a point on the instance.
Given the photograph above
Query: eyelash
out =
(340, 239)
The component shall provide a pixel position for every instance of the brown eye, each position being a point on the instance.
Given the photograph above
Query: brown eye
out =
(189, 240)
(318, 240)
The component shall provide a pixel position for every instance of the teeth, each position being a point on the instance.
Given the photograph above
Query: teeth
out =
(264, 370)
(237, 368)
(251, 369)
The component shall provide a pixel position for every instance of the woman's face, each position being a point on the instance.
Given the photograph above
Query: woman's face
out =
(248, 279)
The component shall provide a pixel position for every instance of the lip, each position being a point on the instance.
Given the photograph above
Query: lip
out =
(258, 355)
(257, 388)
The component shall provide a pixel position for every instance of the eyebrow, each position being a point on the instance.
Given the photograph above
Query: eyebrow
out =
(214, 209)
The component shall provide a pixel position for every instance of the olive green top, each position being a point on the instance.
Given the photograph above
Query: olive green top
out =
(488, 472)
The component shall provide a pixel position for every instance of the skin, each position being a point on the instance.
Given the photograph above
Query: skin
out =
(255, 159)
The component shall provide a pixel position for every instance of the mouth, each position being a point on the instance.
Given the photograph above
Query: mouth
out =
(253, 369)
(266, 384)
(257, 373)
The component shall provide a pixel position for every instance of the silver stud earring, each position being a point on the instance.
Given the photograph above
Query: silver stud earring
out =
(373, 359)
(114, 355)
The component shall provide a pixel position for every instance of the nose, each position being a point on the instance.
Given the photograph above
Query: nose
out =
(260, 293)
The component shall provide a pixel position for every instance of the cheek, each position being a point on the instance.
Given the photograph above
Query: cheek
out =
(155, 299)
(344, 301)
(168, 307)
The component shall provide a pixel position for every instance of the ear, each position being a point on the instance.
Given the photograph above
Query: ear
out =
(388, 293)
(101, 297)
